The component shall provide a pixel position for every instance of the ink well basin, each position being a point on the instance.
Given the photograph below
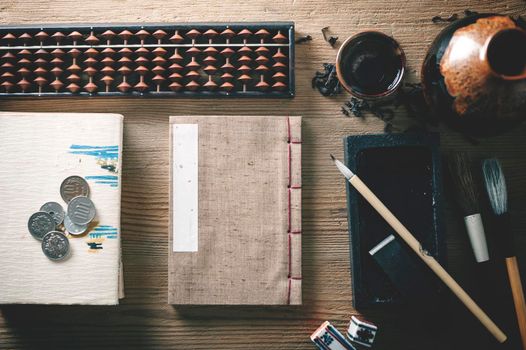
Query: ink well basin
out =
(370, 65)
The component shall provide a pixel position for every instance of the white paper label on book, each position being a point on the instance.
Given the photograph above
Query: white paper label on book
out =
(185, 187)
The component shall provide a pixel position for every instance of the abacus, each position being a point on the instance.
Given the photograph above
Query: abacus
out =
(165, 60)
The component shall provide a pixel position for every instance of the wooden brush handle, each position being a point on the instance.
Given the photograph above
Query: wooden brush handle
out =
(518, 296)
(428, 259)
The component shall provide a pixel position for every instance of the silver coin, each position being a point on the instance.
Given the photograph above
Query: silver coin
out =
(72, 187)
(55, 245)
(55, 210)
(40, 223)
(73, 228)
(81, 210)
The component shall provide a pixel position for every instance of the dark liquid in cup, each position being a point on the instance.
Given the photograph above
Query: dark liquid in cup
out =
(372, 64)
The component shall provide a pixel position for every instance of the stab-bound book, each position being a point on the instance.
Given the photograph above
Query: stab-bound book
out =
(38, 151)
(235, 210)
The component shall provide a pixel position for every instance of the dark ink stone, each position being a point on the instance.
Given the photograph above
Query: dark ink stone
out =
(403, 170)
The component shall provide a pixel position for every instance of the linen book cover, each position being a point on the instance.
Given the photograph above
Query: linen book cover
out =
(38, 151)
(235, 210)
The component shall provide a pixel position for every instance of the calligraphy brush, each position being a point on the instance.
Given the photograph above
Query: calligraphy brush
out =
(498, 197)
(468, 198)
(413, 243)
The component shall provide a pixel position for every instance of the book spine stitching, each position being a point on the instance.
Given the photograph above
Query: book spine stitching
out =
(291, 187)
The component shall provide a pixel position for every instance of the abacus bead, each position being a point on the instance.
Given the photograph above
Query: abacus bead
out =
(192, 85)
(90, 71)
(158, 70)
(176, 38)
(108, 51)
(192, 74)
(194, 33)
(142, 51)
(210, 51)
(262, 50)
(262, 33)
(57, 84)
(57, 71)
(159, 34)
(279, 38)
(262, 85)
(124, 86)
(41, 36)
(92, 40)
(25, 37)
(107, 70)
(279, 76)
(227, 86)
(245, 33)
(7, 85)
(159, 51)
(210, 84)
(58, 36)
(175, 86)
(227, 52)
(125, 34)
(210, 33)
(142, 34)
(193, 51)
(40, 81)
(9, 37)
(107, 79)
(90, 87)
(75, 35)
(24, 84)
(244, 78)
(279, 86)
(141, 86)
(108, 34)
(228, 33)
(158, 79)
(74, 78)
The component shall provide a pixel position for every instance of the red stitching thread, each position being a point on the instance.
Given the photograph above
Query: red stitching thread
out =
(290, 256)
(288, 292)
(289, 230)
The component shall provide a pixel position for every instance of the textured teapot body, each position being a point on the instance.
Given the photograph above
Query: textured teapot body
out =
(474, 74)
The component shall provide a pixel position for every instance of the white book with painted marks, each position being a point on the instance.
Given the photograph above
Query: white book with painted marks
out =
(38, 151)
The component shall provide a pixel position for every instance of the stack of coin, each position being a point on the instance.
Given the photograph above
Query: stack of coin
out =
(51, 223)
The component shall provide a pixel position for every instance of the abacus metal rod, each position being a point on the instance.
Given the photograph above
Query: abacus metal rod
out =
(120, 46)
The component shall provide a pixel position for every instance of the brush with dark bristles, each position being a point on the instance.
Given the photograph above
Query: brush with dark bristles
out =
(468, 198)
(498, 197)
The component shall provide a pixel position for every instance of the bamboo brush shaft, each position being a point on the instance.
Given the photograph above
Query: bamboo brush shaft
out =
(518, 296)
(430, 261)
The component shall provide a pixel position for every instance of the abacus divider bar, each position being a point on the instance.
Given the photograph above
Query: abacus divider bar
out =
(120, 46)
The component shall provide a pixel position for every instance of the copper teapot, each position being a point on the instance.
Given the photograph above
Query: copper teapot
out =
(474, 74)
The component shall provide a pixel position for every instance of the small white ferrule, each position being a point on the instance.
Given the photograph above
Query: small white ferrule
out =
(477, 237)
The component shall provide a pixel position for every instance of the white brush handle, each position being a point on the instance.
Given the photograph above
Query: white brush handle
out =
(477, 237)
(428, 259)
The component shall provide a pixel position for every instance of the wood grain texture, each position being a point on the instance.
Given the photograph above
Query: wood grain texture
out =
(145, 320)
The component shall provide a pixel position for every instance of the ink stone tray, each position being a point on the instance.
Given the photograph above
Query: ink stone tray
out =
(404, 171)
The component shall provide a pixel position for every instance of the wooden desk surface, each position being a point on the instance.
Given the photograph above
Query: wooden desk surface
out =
(144, 319)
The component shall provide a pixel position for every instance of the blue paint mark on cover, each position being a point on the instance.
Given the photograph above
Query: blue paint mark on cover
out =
(84, 147)
(111, 180)
(104, 231)
(107, 156)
